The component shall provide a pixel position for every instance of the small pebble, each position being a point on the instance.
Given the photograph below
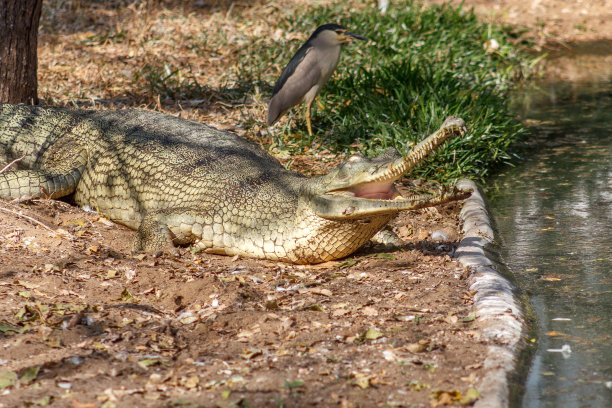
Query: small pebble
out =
(64, 385)
(444, 235)
(439, 236)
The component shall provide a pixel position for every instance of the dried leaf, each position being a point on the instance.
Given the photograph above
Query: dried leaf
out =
(442, 397)
(470, 378)
(54, 341)
(148, 363)
(44, 401)
(369, 311)
(248, 333)
(78, 404)
(272, 305)
(235, 379)
(349, 263)
(418, 347)
(383, 256)
(469, 318)
(324, 292)
(361, 380)
(451, 319)
(471, 395)
(26, 285)
(355, 261)
(188, 318)
(25, 294)
(418, 386)
(316, 308)
(340, 312)
(293, 384)
(373, 334)
(127, 297)
(29, 374)
(192, 382)
(5, 328)
(7, 379)
(94, 249)
(248, 354)
(50, 268)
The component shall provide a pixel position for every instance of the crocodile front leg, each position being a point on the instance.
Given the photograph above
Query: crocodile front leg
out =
(153, 234)
(387, 237)
(161, 230)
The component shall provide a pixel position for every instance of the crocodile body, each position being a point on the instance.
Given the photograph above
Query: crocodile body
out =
(177, 181)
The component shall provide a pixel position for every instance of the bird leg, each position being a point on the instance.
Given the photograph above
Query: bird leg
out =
(308, 105)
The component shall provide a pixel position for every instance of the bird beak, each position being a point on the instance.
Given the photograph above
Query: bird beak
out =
(350, 36)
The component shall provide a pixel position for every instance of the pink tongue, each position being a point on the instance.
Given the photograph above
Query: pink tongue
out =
(380, 191)
(376, 196)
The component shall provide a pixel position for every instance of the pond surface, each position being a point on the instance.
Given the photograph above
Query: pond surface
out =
(554, 215)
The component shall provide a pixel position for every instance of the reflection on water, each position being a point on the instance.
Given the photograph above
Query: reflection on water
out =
(554, 213)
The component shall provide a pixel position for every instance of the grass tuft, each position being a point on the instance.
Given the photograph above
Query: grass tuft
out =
(421, 65)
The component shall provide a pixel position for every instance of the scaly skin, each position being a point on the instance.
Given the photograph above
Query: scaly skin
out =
(181, 182)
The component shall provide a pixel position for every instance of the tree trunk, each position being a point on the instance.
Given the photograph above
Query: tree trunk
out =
(18, 45)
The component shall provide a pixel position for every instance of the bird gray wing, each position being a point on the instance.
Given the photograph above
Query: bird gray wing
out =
(296, 84)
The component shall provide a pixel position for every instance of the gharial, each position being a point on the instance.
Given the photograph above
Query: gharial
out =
(181, 182)
(308, 70)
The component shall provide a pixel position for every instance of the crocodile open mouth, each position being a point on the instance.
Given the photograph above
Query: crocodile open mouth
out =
(379, 190)
(363, 188)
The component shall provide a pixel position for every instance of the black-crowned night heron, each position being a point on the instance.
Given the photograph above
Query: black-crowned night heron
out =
(309, 70)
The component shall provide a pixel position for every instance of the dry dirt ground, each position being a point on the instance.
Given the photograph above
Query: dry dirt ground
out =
(86, 323)
(83, 323)
(550, 23)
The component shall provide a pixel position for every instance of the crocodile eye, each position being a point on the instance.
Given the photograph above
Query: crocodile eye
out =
(355, 158)
(343, 177)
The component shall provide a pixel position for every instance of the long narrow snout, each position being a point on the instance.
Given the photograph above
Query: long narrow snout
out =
(452, 126)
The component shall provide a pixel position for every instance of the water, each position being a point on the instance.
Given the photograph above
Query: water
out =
(554, 213)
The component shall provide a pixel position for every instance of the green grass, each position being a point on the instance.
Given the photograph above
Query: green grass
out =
(422, 65)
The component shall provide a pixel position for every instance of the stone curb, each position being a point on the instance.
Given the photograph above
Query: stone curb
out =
(498, 311)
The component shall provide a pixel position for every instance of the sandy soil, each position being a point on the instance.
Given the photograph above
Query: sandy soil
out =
(83, 323)
(98, 325)
(550, 23)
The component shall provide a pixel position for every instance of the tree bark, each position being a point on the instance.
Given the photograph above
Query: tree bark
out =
(18, 50)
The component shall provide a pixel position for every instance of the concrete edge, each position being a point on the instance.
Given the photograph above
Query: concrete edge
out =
(498, 310)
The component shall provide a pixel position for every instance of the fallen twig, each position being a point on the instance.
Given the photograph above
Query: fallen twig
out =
(11, 163)
(27, 217)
